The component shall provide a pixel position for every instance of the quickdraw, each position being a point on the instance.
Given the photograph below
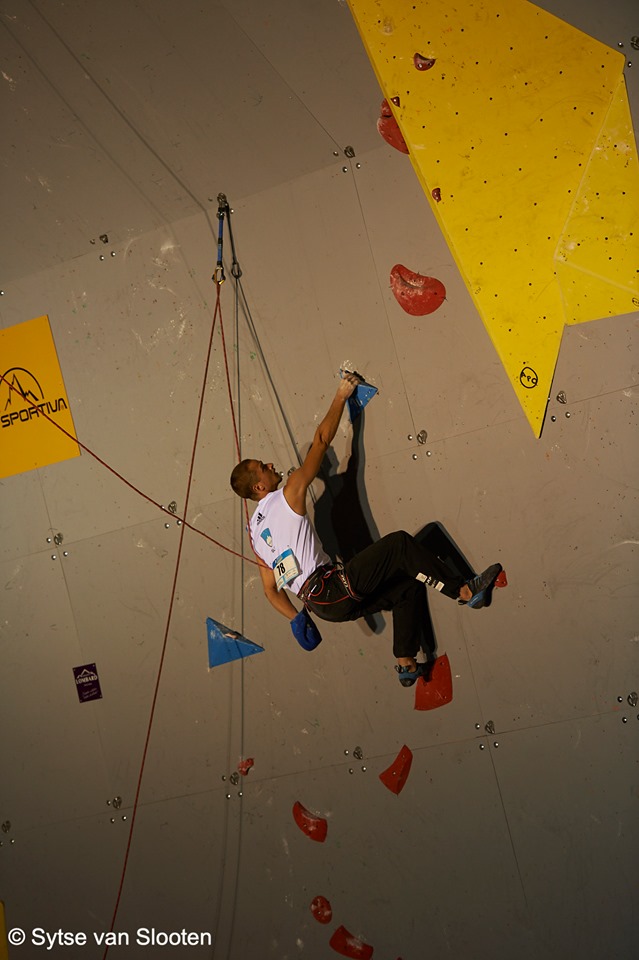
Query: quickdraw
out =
(223, 210)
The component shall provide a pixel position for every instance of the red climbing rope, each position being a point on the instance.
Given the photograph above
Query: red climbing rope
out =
(217, 312)
(185, 525)
(128, 483)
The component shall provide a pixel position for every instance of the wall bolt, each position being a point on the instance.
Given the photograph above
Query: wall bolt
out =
(478, 726)
(344, 169)
(350, 769)
(410, 436)
(364, 769)
(167, 525)
(624, 719)
(54, 556)
(496, 743)
(482, 746)
(414, 456)
(619, 699)
(111, 819)
(359, 166)
(568, 414)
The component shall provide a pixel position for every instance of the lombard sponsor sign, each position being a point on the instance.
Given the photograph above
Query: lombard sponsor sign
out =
(87, 682)
(33, 400)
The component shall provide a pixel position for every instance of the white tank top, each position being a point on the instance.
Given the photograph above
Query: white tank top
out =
(276, 528)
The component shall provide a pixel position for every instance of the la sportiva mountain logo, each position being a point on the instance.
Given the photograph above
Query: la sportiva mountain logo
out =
(36, 426)
(22, 398)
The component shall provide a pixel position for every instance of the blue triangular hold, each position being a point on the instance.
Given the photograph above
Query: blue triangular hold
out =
(358, 400)
(226, 645)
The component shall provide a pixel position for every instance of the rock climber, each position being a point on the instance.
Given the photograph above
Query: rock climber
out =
(391, 574)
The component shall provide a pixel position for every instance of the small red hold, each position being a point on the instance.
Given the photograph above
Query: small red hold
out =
(423, 63)
(502, 580)
(314, 827)
(322, 910)
(415, 293)
(245, 765)
(438, 689)
(389, 128)
(349, 946)
(436, 194)
(395, 776)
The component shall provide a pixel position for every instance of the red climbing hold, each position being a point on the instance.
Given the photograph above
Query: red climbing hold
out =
(397, 774)
(438, 689)
(322, 910)
(349, 946)
(389, 129)
(436, 194)
(245, 765)
(502, 580)
(423, 63)
(415, 293)
(314, 827)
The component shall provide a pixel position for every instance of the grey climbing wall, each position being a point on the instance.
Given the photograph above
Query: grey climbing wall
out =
(128, 813)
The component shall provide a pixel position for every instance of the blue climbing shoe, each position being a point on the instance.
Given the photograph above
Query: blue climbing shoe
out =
(481, 587)
(408, 677)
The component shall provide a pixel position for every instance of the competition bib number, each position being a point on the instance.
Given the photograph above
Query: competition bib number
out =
(285, 569)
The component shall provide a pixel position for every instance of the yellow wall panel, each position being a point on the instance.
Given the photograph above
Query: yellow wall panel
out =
(598, 252)
(32, 394)
(516, 124)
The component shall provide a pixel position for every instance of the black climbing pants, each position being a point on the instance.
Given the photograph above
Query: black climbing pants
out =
(389, 575)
